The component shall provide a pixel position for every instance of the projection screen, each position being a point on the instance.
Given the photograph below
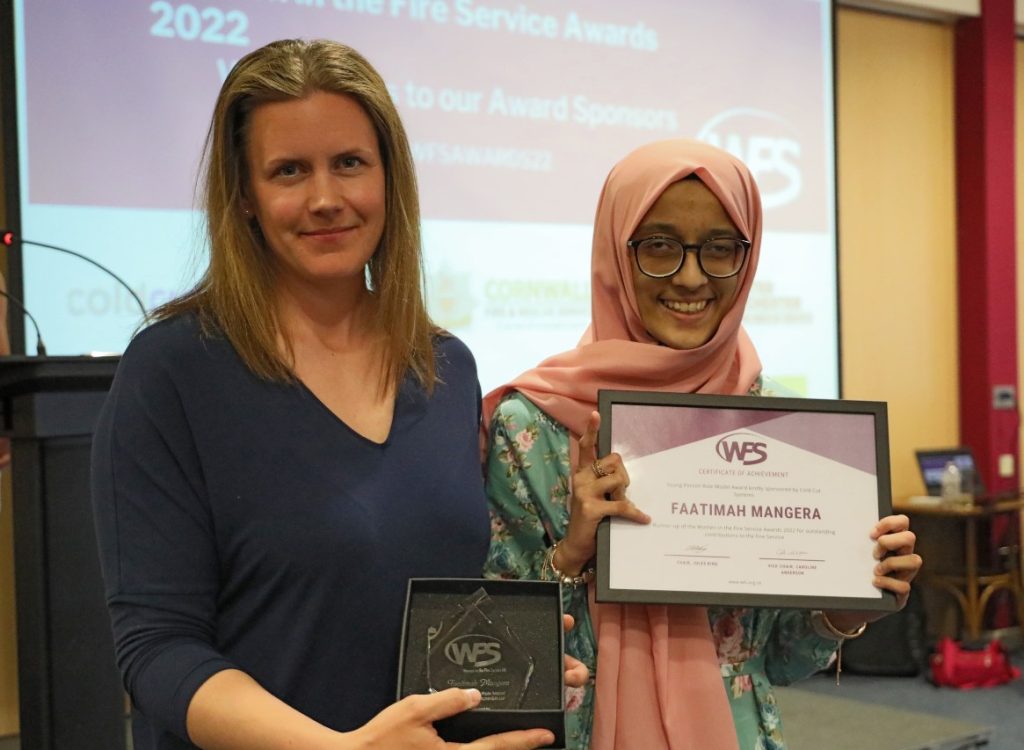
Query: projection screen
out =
(516, 111)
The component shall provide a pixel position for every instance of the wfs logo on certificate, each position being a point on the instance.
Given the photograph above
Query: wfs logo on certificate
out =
(753, 501)
(737, 447)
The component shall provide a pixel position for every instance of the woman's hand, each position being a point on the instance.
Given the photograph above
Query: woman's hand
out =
(231, 711)
(897, 566)
(589, 505)
(409, 724)
(576, 672)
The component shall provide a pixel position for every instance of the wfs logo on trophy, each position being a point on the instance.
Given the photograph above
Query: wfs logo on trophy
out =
(744, 447)
(473, 646)
(478, 650)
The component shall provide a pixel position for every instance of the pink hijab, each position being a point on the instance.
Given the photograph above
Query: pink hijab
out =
(659, 685)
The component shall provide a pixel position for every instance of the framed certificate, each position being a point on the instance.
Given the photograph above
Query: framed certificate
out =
(763, 502)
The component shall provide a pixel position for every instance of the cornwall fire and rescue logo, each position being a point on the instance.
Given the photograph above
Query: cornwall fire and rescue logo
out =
(744, 447)
(449, 298)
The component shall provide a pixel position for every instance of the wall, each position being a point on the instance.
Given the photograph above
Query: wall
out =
(930, 9)
(1019, 126)
(1019, 140)
(897, 238)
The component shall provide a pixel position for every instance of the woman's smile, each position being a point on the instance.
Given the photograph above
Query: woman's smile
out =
(328, 234)
(687, 308)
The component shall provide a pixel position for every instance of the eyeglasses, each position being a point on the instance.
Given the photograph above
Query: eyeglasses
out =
(660, 257)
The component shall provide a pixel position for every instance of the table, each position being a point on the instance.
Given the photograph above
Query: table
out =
(971, 588)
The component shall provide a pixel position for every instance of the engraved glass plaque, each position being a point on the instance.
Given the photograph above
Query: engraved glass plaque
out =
(474, 647)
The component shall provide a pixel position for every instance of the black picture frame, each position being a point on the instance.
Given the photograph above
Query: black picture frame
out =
(608, 399)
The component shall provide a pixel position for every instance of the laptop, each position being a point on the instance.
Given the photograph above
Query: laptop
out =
(933, 462)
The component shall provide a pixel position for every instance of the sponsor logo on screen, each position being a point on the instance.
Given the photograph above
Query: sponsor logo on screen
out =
(767, 144)
(474, 650)
(114, 300)
(450, 299)
(743, 447)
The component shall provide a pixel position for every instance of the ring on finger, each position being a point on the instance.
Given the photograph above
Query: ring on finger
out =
(599, 471)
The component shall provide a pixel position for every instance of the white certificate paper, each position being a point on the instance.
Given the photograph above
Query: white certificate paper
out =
(760, 506)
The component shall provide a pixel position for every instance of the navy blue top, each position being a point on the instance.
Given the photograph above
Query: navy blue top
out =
(242, 525)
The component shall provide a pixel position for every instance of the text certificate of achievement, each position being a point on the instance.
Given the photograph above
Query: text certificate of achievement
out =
(754, 501)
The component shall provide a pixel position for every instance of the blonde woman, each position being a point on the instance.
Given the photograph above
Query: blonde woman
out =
(293, 438)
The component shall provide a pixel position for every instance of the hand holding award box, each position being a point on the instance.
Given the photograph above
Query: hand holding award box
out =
(753, 501)
(502, 637)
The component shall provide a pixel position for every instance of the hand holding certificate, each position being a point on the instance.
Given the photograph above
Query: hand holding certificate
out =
(754, 502)
(599, 492)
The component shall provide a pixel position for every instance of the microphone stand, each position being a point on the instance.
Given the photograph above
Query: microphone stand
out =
(8, 238)
(40, 347)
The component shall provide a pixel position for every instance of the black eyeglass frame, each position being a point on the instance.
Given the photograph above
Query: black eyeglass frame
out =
(698, 249)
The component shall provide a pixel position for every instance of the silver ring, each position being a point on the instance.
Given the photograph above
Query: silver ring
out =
(598, 470)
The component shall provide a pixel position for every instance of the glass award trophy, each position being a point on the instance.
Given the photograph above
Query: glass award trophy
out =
(474, 647)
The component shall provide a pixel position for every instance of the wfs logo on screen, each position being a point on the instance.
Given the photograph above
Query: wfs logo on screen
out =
(742, 447)
(473, 650)
(767, 143)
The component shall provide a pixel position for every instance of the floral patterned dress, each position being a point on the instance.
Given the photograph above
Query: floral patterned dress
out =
(528, 470)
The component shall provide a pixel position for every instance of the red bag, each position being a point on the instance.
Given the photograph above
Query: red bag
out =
(954, 666)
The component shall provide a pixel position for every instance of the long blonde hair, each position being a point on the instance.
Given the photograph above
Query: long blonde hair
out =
(235, 294)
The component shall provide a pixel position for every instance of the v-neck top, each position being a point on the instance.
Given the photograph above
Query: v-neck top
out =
(242, 525)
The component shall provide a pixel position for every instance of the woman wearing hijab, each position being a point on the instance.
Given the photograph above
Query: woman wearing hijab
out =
(676, 244)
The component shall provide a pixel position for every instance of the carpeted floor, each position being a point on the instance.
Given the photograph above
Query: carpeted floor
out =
(920, 706)
(888, 713)
(814, 721)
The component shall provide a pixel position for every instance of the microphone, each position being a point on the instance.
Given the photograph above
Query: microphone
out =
(40, 347)
(8, 238)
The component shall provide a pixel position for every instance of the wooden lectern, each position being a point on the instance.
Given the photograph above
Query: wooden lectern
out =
(70, 691)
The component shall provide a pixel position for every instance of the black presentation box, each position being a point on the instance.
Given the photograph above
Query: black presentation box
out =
(533, 610)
